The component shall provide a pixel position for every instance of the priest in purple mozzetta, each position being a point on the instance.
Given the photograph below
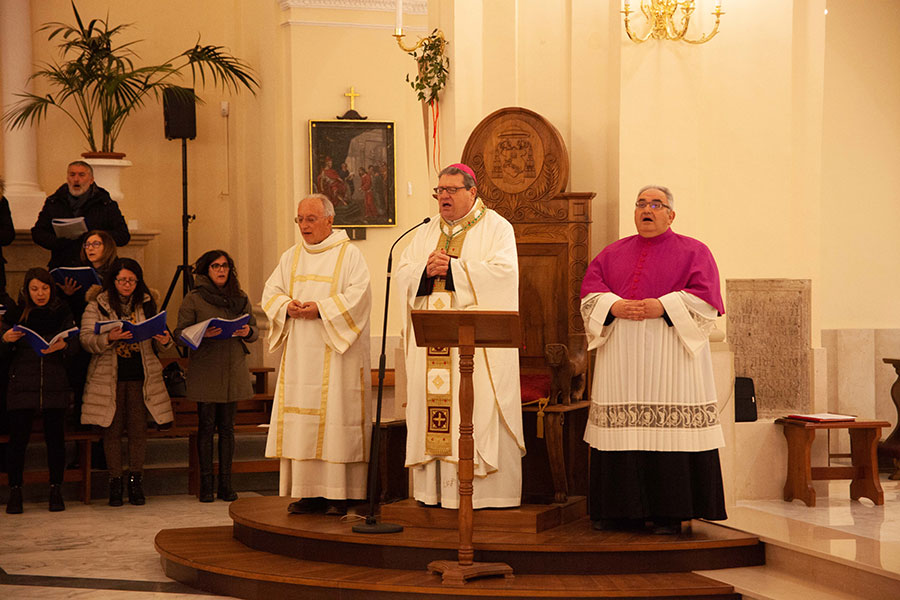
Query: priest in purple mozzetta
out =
(649, 302)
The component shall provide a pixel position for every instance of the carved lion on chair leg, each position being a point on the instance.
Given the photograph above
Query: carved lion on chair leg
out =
(567, 370)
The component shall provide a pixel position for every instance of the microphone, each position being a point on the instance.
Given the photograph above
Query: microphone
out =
(372, 525)
(391, 252)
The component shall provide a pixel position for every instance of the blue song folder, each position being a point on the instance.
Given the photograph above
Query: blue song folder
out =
(193, 335)
(83, 276)
(139, 331)
(37, 342)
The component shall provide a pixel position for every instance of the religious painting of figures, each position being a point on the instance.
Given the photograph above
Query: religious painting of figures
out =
(352, 162)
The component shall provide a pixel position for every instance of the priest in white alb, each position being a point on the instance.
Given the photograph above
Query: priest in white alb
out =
(464, 258)
(649, 302)
(318, 300)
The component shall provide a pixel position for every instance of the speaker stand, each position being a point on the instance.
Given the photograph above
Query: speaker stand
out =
(184, 270)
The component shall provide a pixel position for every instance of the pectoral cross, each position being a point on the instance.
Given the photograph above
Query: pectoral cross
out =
(353, 96)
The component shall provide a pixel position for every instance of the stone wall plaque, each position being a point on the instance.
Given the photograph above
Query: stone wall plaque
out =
(769, 327)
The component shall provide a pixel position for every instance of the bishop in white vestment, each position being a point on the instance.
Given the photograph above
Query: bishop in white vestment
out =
(465, 258)
(649, 302)
(318, 301)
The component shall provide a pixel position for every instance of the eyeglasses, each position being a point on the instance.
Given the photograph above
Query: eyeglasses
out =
(449, 189)
(299, 220)
(89, 245)
(126, 281)
(654, 205)
(219, 266)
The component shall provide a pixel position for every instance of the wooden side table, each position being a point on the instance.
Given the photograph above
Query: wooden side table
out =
(864, 436)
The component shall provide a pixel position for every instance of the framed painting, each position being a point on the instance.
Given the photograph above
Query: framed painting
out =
(352, 162)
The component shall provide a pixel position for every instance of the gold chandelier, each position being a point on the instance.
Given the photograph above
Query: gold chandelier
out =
(665, 24)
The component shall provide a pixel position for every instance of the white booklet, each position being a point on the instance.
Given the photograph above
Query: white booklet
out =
(70, 229)
(822, 417)
(193, 335)
(139, 331)
(37, 341)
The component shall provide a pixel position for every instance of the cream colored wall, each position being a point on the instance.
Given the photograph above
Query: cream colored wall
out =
(861, 147)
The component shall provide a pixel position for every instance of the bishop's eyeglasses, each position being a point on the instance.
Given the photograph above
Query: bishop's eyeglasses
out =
(451, 189)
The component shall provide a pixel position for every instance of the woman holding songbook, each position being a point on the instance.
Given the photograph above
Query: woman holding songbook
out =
(124, 379)
(37, 380)
(217, 377)
(98, 251)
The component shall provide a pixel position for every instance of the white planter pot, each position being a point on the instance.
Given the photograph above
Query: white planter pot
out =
(107, 174)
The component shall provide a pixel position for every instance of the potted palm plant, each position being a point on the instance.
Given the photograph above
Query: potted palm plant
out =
(98, 85)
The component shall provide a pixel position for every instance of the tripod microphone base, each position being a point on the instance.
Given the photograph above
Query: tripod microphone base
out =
(373, 526)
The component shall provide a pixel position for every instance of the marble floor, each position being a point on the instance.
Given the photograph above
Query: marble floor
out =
(95, 551)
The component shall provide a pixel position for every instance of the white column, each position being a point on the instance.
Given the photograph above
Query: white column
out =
(19, 145)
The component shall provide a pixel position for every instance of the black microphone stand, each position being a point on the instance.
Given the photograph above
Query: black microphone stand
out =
(372, 525)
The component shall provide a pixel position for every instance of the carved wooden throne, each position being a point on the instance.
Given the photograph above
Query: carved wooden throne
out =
(522, 168)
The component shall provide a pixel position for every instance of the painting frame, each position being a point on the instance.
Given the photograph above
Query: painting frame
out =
(352, 162)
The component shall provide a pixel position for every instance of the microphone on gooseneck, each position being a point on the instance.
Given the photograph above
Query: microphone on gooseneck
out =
(391, 252)
(372, 525)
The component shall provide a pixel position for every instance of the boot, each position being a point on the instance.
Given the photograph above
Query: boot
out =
(225, 492)
(14, 504)
(206, 488)
(115, 491)
(136, 489)
(56, 498)
(226, 454)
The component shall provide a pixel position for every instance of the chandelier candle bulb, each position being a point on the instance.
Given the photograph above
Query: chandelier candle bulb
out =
(398, 26)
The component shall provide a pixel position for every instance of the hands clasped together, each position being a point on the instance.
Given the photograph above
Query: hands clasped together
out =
(302, 310)
(637, 310)
(438, 263)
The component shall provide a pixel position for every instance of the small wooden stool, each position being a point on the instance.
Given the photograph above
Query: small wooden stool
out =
(864, 436)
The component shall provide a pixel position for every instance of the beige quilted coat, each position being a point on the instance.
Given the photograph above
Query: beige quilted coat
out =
(99, 406)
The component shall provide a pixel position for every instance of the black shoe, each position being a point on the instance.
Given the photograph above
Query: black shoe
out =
(666, 527)
(115, 491)
(206, 488)
(225, 492)
(14, 504)
(136, 489)
(336, 508)
(56, 498)
(306, 506)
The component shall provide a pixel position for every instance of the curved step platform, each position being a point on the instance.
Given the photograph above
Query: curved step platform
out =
(269, 551)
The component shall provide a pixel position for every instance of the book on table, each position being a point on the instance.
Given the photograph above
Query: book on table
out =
(822, 417)
(144, 330)
(37, 341)
(83, 276)
(193, 335)
(70, 229)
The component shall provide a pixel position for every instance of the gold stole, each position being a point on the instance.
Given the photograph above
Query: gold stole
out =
(438, 370)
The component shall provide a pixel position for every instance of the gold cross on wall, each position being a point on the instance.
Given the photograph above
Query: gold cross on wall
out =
(353, 96)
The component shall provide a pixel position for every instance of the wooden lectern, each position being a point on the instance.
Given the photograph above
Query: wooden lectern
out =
(466, 330)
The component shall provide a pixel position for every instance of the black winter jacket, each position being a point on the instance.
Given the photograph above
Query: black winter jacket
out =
(39, 381)
(7, 235)
(99, 212)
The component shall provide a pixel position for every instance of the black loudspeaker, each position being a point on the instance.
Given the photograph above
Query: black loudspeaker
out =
(180, 116)
(744, 400)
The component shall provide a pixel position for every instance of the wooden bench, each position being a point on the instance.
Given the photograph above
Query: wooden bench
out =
(864, 436)
(81, 473)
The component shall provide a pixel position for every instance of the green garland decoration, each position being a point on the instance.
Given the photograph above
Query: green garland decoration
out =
(433, 67)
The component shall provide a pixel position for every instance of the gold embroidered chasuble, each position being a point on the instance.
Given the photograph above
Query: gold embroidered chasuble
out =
(322, 400)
